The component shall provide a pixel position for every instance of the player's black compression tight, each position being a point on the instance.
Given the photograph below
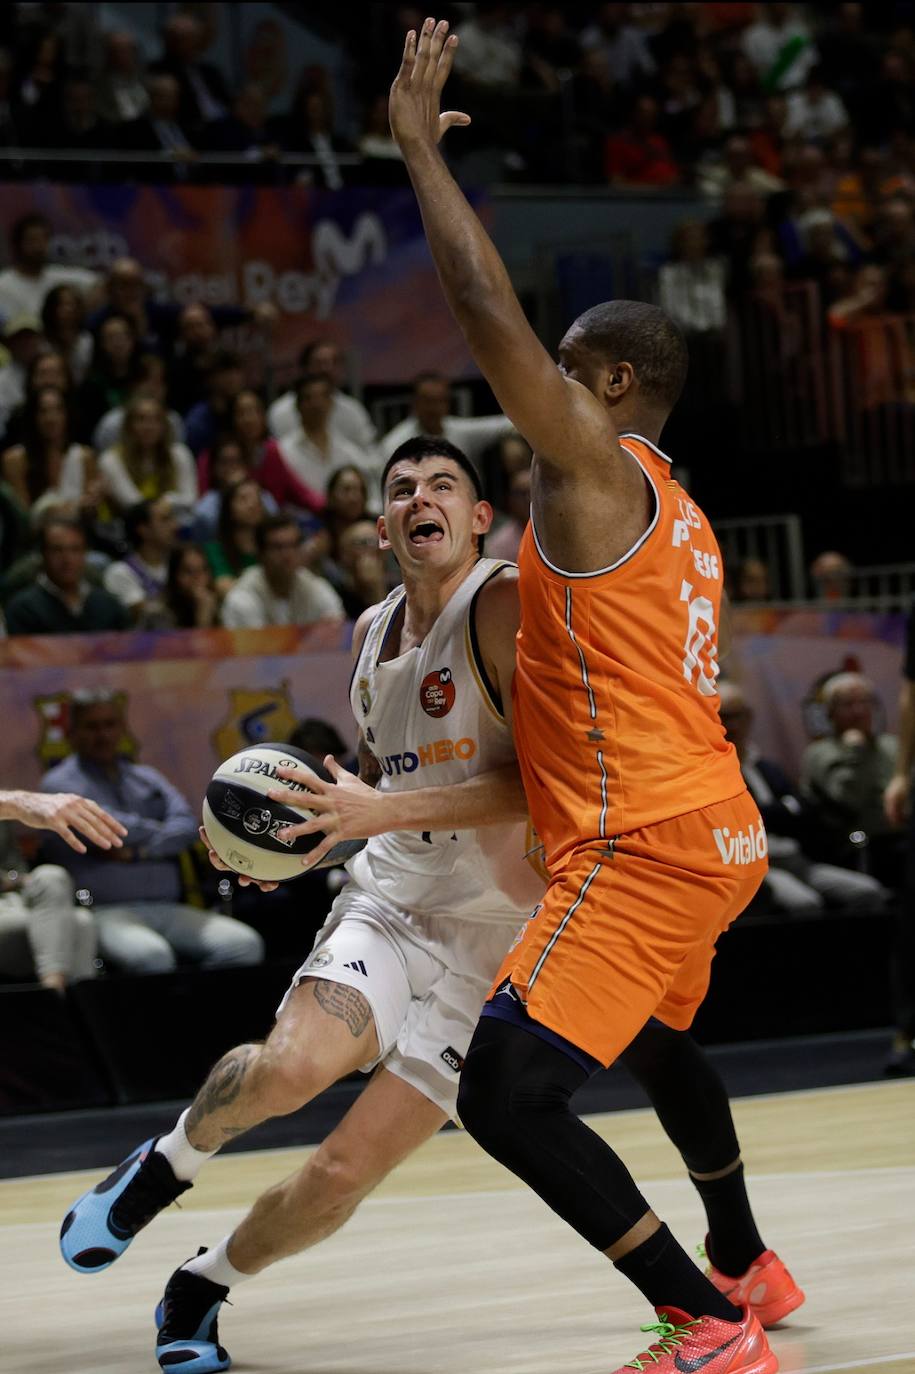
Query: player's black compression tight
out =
(514, 1100)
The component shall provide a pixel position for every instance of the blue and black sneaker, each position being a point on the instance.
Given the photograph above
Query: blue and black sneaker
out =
(187, 1320)
(101, 1225)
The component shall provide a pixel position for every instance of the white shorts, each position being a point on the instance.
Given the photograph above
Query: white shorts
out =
(424, 988)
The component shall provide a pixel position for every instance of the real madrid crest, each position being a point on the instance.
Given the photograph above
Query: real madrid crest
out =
(365, 699)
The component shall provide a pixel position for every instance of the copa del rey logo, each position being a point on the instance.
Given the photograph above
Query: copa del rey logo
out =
(745, 847)
(436, 692)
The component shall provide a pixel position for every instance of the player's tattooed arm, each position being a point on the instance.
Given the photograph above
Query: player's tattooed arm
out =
(369, 767)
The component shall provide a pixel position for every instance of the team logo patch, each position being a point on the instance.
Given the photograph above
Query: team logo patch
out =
(257, 820)
(452, 1059)
(365, 698)
(437, 693)
(321, 959)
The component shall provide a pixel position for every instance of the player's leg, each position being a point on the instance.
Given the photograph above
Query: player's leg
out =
(325, 1029)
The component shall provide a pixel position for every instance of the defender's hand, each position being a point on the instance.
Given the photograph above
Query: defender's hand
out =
(64, 813)
(413, 107)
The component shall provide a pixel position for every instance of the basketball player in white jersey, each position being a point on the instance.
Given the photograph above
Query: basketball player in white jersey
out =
(400, 969)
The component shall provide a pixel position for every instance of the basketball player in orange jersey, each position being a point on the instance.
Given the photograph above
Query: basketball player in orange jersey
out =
(651, 839)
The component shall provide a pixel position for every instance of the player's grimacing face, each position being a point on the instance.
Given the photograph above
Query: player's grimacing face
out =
(431, 513)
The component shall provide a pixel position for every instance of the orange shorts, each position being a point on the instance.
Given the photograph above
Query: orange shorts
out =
(627, 930)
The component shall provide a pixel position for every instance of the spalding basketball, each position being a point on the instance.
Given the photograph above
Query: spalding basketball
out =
(242, 821)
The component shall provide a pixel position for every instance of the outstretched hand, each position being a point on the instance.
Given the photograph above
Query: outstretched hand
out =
(414, 103)
(345, 808)
(65, 813)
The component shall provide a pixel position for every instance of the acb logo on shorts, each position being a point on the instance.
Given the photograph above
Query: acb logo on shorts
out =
(437, 693)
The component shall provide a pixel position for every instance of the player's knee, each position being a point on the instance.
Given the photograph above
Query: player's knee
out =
(285, 1081)
(342, 1178)
(484, 1099)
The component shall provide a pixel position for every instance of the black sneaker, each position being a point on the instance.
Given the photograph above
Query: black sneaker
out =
(186, 1319)
(101, 1225)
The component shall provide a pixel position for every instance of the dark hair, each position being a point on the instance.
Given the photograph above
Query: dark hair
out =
(226, 526)
(36, 363)
(271, 525)
(339, 472)
(317, 737)
(429, 377)
(179, 603)
(67, 522)
(224, 360)
(135, 517)
(100, 366)
(308, 352)
(643, 335)
(424, 447)
(21, 226)
(49, 308)
(233, 407)
(36, 471)
(223, 441)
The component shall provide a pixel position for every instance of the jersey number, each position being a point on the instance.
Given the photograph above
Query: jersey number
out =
(700, 657)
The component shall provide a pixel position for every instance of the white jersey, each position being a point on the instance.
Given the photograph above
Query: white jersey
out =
(431, 718)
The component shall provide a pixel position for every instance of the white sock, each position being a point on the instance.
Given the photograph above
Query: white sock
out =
(186, 1162)
(215, 1265)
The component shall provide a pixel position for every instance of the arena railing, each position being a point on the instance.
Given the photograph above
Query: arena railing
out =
(776, 540)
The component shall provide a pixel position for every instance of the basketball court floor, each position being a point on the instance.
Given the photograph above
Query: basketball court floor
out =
(452, 1267)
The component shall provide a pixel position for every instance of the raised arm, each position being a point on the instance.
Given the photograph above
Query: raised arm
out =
(560, 418)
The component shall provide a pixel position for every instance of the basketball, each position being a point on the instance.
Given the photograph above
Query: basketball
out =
(242, 822)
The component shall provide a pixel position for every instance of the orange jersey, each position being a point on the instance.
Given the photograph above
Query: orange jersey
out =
(615, 696)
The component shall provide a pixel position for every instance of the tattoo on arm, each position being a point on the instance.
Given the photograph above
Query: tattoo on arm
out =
(369, 767)
(347, 1004)
(222, 1087)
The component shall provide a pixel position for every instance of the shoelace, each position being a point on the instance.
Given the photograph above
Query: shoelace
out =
(670, 1338)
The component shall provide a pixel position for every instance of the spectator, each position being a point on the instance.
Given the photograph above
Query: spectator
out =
(319, 738)
(128, 295)
(489, 53)
(430, 414)
(22, 337)
(315, 448)
(190, 601)
(75, 125)
(241, 514)
(61, 601)
(158, 129)
(36, 85)
(739, 232)
(897, 804)
(752, 582)
(146, 464)
(780, 47)
(62, 317)
(24, 285)
(347, 504)
(203, 96)
(279, 591)
(639, 155)
(138, 581)
(737, 166)
(225, 466)
(244, 130)
(115, 363)
(150, 383)
(263, 456)
(43, 933)
(358, 572)
(692, 285)
(120, 93)
(141, 921)
(815, 113)
(795, 883)
(48, 468)
(309, 128)
(622, 46)
(831, 574)
(382, 160)
(348, 417)
(845, 774)
(505, 540)
(45, 369)
(192, 358)
(225, 378)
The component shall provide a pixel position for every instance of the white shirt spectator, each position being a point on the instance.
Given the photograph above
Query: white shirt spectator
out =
(348, 418)
(24, 295)
(472, 434)
(107, 432)
(816, 115)
(71, 483)
(12, 390)
(313, 467)
(490, 56)
(135, 582)
(626, 52)
(253, 605)
(764, 44)
(125, 492)
(693, 293)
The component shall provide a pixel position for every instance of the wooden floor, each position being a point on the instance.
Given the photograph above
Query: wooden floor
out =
(453, 1267)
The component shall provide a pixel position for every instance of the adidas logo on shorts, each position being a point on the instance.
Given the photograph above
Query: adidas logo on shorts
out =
(357, 966)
